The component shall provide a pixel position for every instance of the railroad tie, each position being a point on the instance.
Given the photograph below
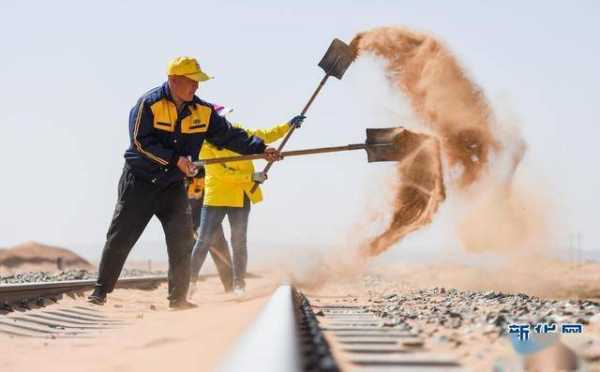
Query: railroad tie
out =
(58, 322)
(359, 340)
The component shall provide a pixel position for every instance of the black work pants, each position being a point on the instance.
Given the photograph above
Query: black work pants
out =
(138, 201)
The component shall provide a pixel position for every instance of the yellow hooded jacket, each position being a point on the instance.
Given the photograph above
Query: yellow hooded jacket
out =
(225, 184)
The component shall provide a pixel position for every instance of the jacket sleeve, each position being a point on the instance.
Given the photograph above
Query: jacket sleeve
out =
(221, 171)
(222, 134)
(272, 134)
(143, 137)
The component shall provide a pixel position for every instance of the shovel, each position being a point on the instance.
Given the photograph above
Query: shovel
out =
(335, 62)
(382, 144)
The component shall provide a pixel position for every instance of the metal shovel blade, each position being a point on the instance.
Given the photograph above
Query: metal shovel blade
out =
(337, 59)
(391, 144)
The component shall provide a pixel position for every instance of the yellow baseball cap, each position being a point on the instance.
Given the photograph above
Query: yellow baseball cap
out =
(188, 67)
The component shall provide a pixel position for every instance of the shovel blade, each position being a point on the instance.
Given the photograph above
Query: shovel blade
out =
(392, 144)
(337, 59)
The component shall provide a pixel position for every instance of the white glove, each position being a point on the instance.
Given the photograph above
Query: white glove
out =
(259, 177)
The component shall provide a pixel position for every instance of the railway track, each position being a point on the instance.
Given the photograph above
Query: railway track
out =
(360, 340)
(24, 310)
(26, 295)
(312, 333)
(330, 334)
(33, 295)
(294, 331)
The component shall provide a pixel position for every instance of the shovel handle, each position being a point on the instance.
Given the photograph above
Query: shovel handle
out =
(319, 150)
(322, 150)
(228, 159)
(289, 134)
(314, 95)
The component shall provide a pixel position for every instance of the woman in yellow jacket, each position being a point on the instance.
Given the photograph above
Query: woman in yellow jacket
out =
(227, 192)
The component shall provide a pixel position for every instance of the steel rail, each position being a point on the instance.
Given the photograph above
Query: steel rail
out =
(19, 294)
(271, 342)
(296, 332)
(285, 336)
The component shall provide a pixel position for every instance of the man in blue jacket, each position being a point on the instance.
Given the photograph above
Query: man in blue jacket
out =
(167, 127)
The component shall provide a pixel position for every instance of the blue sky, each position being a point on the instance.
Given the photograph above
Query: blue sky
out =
(72, 70)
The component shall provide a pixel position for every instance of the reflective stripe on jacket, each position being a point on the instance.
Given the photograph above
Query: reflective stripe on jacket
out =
(159, 135)
(225, 184)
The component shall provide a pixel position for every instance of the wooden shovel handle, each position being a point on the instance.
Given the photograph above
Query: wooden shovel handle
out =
(318, 150)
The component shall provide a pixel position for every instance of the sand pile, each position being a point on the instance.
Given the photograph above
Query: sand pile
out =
(33, 256)
(479, 154)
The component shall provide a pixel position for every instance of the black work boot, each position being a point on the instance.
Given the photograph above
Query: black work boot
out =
(98, 297)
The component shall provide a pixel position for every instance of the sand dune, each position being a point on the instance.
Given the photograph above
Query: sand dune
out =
(34, 256)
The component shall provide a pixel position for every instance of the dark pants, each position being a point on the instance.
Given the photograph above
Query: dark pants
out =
(138, 201)
(211, 220)
(219, 250)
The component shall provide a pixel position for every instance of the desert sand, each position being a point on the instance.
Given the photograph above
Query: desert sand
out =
(155, 339)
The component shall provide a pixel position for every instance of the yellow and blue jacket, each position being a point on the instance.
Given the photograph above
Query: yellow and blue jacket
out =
(226, 184)
(159, 135)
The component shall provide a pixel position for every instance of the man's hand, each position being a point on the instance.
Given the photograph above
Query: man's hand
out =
(259, 177)
(272, 154)
(297, 121)
(186, 166)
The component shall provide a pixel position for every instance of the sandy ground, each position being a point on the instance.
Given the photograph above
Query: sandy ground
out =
(404, 290)
(155, 338)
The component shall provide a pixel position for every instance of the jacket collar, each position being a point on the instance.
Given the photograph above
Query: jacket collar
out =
(166, 92)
